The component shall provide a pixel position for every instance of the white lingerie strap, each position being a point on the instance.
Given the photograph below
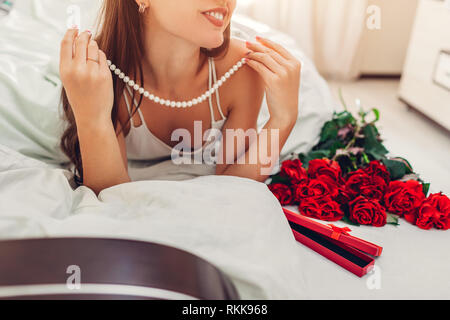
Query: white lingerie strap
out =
(212, 75)
(135, 104)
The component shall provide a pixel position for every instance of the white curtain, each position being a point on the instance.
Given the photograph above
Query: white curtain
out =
(329, 31)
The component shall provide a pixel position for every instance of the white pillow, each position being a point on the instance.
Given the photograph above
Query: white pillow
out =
(30, 86)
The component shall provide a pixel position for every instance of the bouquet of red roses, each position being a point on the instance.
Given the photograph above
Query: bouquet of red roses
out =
(348, 177)
(366, 196)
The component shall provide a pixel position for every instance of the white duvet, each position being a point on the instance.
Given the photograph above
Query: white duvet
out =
(236, 224)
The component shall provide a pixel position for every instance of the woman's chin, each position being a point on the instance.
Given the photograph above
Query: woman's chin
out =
(214, 43)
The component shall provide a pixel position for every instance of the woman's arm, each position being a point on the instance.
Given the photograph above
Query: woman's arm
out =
(103, 163)
(279, 76)
(89, 89)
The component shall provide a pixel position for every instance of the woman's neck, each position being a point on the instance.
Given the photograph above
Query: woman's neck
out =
(169, 61)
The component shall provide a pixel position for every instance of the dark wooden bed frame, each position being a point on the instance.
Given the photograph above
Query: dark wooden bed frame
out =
(110, 263)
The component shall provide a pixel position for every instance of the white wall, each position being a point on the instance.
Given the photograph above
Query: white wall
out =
(383, 51)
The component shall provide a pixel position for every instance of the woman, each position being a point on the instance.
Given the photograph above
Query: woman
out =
(168, 51)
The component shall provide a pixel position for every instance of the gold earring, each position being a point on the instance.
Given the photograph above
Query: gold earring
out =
(142, 8)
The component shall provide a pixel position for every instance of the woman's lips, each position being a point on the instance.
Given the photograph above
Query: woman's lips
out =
(216, 16)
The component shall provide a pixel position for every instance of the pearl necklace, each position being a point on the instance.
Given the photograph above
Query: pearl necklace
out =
(170, 103)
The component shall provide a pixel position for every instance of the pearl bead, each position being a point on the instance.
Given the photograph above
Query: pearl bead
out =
(136, 87)
(173, 104)
(108, 62)
(179, 104)
(231, 72)
(184, 104)
(235, 68)
(152, 97)
(126, 79)
(223, 79)
(117, 72)
(131, 83)
(146, 94)
(122, 75)
(216, 86)
(227, 75)
(212, 90)
(239, 64)
(113, 67)
(195, 102)
(167, 103)
(203, 97)
(157, 99)
(208, 94)
(190, 104)
(141, 91)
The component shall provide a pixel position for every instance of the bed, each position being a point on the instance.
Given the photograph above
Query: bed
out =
(234, 224)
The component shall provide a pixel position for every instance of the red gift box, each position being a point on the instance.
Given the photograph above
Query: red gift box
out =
(334, 243)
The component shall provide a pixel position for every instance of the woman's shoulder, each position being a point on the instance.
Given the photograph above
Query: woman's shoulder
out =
(236, 51)
(247, 81)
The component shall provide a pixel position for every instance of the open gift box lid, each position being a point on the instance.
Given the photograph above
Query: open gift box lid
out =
(334, 243)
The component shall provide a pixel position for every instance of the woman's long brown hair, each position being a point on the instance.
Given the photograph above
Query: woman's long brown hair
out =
(121, 38)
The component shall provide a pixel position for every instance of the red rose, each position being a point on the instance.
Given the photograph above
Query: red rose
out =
(325, 167)
(434, 212)
(359, 183)
(367, 212)
(293, 169)
(343, 197)
(314, 188)
(310, 207)
(377, 169)
(333, 186)
(282, 192)
(403, 197)
(330, 210)
(321, 208)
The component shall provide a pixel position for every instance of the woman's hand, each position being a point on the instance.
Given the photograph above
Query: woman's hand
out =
(280, 72)
(86, 78)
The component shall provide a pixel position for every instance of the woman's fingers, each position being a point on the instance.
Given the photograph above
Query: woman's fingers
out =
(267, 60)
(265, 73)
(260, 48)
(93, 54)
(66, 53)
(104, 68)
(81, 47)
(102, 60)
(275, 46)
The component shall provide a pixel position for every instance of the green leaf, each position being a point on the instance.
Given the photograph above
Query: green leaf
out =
(409, 168)
(279, 179)
(392, 219)
(331, 146)
(329, 131)
(347, 220)
(376, 112)
(344, 118)
(425, 188)
(372, 146)
(397, 169)
(316, 154)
